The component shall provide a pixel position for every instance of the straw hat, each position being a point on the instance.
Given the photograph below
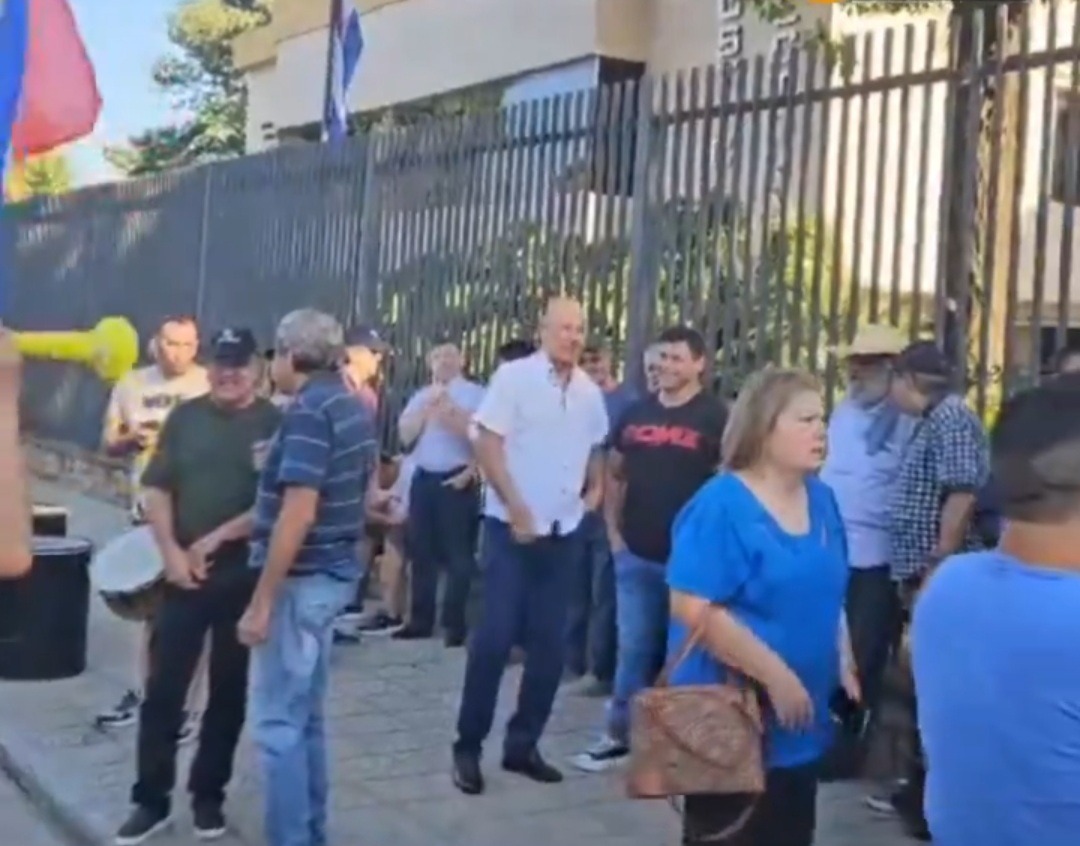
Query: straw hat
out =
(876, 339)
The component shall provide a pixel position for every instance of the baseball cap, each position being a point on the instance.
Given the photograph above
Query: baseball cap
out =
(233, 347)
(922, 358)
(365, 336)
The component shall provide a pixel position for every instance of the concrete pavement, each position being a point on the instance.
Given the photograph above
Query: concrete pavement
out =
(23, 822)
(391, 710)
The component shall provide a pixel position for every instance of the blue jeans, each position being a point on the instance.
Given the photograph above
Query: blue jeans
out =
(590, 625)
(289, 675)
(641, 601)
(525, 593)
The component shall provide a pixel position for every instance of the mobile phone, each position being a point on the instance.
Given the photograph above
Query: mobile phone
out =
(851, 717)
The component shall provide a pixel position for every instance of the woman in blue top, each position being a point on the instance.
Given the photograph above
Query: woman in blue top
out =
(759, 554)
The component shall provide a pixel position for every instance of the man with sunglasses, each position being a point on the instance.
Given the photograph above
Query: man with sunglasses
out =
(137, 410)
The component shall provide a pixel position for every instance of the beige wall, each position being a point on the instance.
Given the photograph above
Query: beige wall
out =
(419, 48)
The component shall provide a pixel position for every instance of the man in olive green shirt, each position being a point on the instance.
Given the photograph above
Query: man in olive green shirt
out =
(200, 487)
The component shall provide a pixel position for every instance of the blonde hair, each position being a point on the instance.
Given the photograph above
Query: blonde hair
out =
(753, 416)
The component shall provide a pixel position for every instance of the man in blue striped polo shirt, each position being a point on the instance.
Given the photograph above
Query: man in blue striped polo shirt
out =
(308, 518)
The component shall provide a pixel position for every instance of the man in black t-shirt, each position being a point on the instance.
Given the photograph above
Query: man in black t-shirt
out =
(663, 448)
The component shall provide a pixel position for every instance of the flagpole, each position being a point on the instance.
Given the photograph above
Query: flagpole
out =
(328, 93)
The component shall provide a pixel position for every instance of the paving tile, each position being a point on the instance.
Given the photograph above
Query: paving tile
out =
(391, 716)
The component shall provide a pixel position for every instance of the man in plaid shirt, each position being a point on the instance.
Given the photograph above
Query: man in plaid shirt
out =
(945, 465)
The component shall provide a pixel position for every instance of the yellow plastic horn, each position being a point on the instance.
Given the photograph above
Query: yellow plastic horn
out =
(110, 349)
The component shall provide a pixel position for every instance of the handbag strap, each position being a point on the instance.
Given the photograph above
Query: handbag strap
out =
(693, 640)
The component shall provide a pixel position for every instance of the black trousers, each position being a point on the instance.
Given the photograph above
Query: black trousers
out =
(180, 630)
(785, 815)
(442, 539)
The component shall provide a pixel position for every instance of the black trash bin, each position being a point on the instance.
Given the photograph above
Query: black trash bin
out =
(50, 521)
(44, 615)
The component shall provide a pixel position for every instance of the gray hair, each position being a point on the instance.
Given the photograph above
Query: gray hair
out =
(313, 339)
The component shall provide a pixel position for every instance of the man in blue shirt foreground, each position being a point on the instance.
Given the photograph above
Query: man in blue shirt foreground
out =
(994, 641)
(308, 517)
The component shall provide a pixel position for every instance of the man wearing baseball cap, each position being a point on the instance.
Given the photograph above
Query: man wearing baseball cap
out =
(866, 439)
(200, 490)
(945, 465)
(365, 350)
(364, 353)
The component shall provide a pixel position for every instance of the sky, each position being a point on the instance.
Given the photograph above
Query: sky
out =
(124, 38)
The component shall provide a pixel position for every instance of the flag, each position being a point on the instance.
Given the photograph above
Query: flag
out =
(14, 31)
(346, 45)
(59, 102)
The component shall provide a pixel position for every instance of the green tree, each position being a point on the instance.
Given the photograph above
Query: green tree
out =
(200, 80)
(41, 176)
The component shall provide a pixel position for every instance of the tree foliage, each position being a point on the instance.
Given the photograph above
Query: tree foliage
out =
(200, 80)
(47, 175)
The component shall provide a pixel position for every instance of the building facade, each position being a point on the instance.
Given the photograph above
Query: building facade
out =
(420, 49)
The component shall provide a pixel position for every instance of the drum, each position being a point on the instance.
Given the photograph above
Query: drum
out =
(50, 521)
(128, 572)
(43, 615)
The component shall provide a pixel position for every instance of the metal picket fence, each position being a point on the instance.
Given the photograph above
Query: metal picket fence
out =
(926, 175)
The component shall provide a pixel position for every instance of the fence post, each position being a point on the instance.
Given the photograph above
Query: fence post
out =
(644, 257)
(204, 242)
(364, 296)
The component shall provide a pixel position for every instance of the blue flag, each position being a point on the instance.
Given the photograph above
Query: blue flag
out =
(14, 35)
(346, 45)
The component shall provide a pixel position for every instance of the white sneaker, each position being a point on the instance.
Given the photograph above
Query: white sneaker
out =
(605, 754)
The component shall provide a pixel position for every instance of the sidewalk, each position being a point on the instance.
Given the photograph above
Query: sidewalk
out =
(391, 713)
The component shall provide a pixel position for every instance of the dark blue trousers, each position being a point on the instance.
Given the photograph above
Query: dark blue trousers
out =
(526, 590)
(442, 540)
(590, 627)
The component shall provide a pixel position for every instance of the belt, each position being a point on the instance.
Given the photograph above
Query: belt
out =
(441, 475)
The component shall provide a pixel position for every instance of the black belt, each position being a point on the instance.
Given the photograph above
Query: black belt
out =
(441, 475)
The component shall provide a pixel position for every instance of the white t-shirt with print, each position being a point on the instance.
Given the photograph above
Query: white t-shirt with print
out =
(141, 401)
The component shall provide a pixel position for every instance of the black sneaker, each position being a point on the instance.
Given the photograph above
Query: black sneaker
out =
(209, 822)
(411, 632)
(605, 753)
(380, 623)
(123, 713)
(141, 826)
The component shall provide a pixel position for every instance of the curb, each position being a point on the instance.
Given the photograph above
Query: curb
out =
(15, 762)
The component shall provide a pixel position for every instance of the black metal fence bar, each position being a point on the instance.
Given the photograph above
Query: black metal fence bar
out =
(927, 176)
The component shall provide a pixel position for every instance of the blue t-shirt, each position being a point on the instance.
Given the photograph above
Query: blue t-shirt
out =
(327, 443)
(787, 589)
(994, 646)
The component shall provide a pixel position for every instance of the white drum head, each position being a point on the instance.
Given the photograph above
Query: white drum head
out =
(127, 563)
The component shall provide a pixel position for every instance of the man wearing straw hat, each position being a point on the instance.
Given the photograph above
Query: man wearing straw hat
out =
(866, 438)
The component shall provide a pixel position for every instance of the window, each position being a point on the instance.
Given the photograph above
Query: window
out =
(1065, 174)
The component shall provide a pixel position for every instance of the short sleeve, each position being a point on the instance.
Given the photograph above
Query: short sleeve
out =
(598, 425)
(708, 559)
(415, 403)
(496, 410)
(160, 472)
(305, 448)
(474, 398)
(959, 448)
(834, 523)
(114, 411)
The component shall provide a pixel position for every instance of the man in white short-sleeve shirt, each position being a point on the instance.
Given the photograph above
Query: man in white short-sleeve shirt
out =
(539, 432)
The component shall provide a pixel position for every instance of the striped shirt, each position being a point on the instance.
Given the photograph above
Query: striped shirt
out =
(326, 443)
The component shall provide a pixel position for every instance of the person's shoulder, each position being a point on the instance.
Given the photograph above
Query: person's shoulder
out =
(139, 379)
(954, 412)
(954, 577)
(724, 490)
(265, 409)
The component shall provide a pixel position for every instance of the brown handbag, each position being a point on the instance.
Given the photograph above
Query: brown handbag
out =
(696, 739)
